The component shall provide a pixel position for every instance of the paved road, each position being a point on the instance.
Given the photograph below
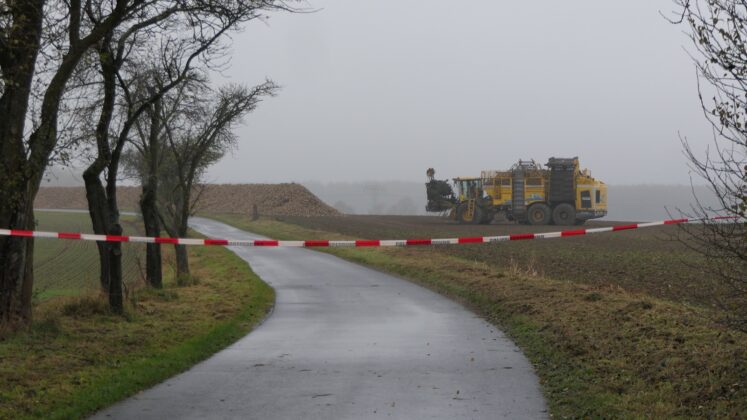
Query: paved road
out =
(347, 342)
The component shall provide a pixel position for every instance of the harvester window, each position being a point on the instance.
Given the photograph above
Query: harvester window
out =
(534, 182)
(599, 196)
(506, 181)
(586, 199)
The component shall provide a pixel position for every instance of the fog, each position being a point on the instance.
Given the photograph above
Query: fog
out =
(626, 202)
(375, 92)
(382, 90)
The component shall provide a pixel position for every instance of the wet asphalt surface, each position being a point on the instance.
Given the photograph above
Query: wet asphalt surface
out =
(347, 342)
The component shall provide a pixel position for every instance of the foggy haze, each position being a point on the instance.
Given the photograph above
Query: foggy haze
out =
(375, 92)
(626, 202)
(382, 90)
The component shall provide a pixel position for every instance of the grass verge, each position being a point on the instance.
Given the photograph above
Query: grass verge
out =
(68, 268)
(78, 358)
(600, 351)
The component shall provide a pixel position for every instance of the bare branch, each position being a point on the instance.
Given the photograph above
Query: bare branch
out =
(718, 30)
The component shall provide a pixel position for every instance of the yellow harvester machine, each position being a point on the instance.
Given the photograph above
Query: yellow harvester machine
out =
(561, 194)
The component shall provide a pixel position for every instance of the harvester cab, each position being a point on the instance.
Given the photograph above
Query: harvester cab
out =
(468, 188)
(472, 207)
(467, 205)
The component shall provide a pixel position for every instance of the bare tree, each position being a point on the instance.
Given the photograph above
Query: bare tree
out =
(143, 162)
(718, 30)
(197, 137)
(42, 47)
(177, 36)
(113, 53)
(24, 24)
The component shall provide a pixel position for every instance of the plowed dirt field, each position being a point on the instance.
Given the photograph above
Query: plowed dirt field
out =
(651, 260)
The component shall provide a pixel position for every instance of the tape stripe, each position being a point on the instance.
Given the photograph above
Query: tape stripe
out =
(356, 243)
(66, 235)
(521, 236)
(45, 234)
(599, 230)
(190, 241)
(473, 240)
(548, 235)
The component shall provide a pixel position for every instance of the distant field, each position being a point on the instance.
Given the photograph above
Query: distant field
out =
(68, 267)
(649, 260)
(269, 199)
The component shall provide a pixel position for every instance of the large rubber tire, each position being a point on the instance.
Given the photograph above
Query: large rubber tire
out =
(479, 216)
(462, 212)
(539, 214)
(487, 218)
(564, 215)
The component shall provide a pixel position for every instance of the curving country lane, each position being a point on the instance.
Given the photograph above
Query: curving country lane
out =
(347, 342)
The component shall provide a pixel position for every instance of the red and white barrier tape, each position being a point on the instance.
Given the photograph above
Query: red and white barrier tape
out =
(358, 243)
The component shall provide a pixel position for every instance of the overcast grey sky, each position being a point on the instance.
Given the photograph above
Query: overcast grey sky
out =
(383, 89)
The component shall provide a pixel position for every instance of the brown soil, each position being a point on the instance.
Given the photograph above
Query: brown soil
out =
(271, 199)
(651, 260)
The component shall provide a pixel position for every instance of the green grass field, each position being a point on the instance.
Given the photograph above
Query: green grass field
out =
(78, 357)
(69, 267)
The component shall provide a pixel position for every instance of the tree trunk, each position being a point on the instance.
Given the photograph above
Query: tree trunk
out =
(152, 228)
(105, 222)
(27, 287)
(102, 202)
(13, 252)
(116, 301)
(149, 199)
(103, 249)
(182, 260)
(17, 191)
(16, 269)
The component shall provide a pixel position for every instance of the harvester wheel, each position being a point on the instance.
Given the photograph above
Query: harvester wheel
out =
(564, 214)
(488, 217)
(479, 216)
(464, 217)
(539, 214)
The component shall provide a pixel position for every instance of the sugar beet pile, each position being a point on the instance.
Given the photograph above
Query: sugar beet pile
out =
(271, 199)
